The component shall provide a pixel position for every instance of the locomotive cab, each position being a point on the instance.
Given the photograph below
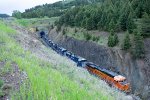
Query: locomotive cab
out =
(122, 83)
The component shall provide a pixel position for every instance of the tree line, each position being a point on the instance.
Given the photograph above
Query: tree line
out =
(108, 15)
(55, 9)
(114, 16)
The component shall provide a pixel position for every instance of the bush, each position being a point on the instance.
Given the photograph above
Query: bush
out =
(87, 36)
(96, 38)
(58, 28)
(64, 31)
(138, 47)
(112, 39)
(126, 42)
(116, 40)
(52, 26)
(75, 30)
(36, 29)
(1, 93)
(1, 83)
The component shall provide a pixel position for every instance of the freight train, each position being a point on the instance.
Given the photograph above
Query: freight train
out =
(110, 77)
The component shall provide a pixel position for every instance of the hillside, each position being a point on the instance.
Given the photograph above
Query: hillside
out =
(32, 65)
(4, 16)
(115, 59)
(113, 34)
(56, 9)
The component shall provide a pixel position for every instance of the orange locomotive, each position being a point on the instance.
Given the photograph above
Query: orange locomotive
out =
(112, 78)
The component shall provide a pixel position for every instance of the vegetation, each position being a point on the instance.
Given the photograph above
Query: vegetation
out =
(126, 42)
(105, 15)
(4, 15)
(64, 31)
(87, 36)
(55, 9)
(17, 14)
(44, 81)
(144, 25)
(1, 83)
(37, 21)
(112, 39)
(58, 28)
(138, 46)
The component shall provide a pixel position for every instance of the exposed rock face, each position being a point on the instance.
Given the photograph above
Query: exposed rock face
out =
(137, 72)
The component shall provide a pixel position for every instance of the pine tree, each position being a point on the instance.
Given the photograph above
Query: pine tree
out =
(90, 24)
(130, 23)
(144, 25)
(58, 28)
(116, 40)
(138, 49)
(110, 41)
(112, 25)
(64, 31)
(126, 42)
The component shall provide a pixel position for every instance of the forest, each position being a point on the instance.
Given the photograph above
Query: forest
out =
(129, 16)
(55, 9)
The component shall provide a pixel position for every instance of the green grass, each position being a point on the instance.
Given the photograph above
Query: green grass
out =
(37, 21)
(43, 81)
(6, 69)
(82, 35)
(1, 83)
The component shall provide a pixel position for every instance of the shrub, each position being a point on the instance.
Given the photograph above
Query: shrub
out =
(1, 83)
(126, 42)
(96, 38)
(87, 36)
(64, 31)
(52, 26)
(138, 46)
(75, 30)
(112, 39)
(58, 28)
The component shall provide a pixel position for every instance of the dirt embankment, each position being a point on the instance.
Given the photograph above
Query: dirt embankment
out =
(136, 71)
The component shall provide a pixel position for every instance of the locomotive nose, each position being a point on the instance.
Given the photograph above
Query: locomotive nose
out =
(127, 87)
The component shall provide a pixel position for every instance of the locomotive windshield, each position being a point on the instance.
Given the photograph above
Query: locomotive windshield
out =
(119, 78)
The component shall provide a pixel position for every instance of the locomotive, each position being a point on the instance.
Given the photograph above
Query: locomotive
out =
(115, 80)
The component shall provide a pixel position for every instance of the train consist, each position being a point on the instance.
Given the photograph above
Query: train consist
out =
(110, 77)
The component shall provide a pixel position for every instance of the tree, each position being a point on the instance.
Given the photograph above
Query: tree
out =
(126, 42)
(90, 24)
(144, 25)
(64, 31)
(58, 28)
(112, 39)
(130, 24)
(87, 36)
(52, 26)
(16, 14)
(112, 25)
(138, 47)
(116, 40)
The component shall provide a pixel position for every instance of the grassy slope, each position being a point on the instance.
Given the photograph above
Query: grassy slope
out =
(44, 82)
(37, 21)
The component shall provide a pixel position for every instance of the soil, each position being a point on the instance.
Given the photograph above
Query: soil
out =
(12, 80)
